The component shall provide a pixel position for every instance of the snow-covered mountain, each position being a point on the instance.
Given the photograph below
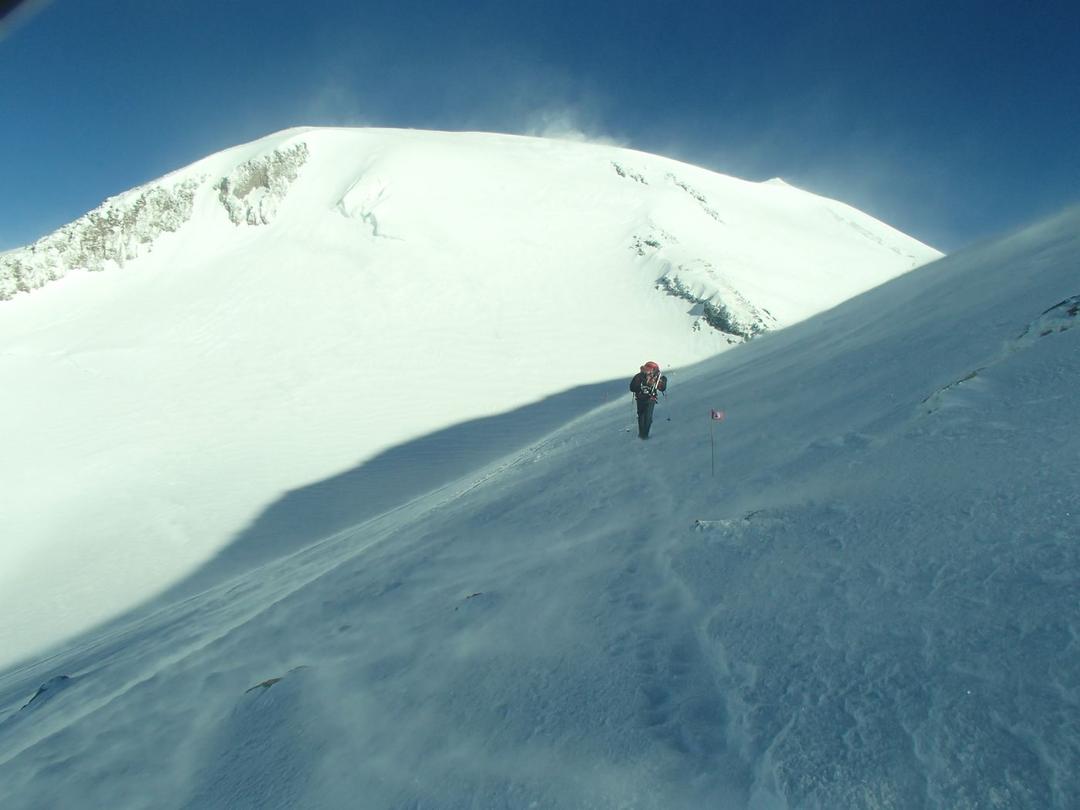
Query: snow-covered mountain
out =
(768, 241)
(280, 313)
(872, 603)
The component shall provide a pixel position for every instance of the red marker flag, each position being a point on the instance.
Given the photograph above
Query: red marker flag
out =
(717, 416)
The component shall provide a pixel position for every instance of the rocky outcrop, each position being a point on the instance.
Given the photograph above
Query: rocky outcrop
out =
(118, 231)
(126, 227)
(252, 192)
(717, 304)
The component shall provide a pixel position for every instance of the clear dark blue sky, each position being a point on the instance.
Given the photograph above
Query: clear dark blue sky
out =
(952, 120)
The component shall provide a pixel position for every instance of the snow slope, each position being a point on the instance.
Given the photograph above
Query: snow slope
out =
(873, 604)
(284, 311)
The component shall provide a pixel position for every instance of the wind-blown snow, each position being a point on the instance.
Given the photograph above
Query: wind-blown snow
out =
(287, 310)
(873, 604)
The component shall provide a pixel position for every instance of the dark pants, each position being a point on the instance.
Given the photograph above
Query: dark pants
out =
(645, 407)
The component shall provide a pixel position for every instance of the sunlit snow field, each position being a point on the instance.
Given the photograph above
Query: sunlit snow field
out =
(872, 602)
(330, 295)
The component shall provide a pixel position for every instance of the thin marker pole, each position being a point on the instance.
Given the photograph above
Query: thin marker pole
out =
(714, 416)
(712, 444)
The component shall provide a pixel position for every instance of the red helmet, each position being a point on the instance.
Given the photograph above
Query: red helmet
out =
(650, 366)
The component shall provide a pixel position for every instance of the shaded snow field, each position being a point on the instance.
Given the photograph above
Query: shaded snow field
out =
(873, 604)
(288, 310)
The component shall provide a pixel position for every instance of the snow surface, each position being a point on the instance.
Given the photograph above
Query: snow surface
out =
(872, 604)
(293, 309)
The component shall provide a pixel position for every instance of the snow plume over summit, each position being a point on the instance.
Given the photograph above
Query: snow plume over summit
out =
(284, 311)
(872, 602)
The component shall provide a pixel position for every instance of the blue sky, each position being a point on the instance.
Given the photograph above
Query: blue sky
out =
(953, 121)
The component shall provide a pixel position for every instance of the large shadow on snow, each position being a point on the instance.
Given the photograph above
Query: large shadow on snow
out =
(306, 515)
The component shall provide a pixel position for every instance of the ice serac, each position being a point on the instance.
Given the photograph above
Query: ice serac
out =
(252, 192)
(126, 227)
(119, 231)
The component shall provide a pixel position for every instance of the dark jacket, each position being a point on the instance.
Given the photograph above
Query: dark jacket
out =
(642, 390)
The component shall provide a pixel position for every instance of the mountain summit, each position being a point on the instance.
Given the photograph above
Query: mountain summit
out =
(709, 234)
